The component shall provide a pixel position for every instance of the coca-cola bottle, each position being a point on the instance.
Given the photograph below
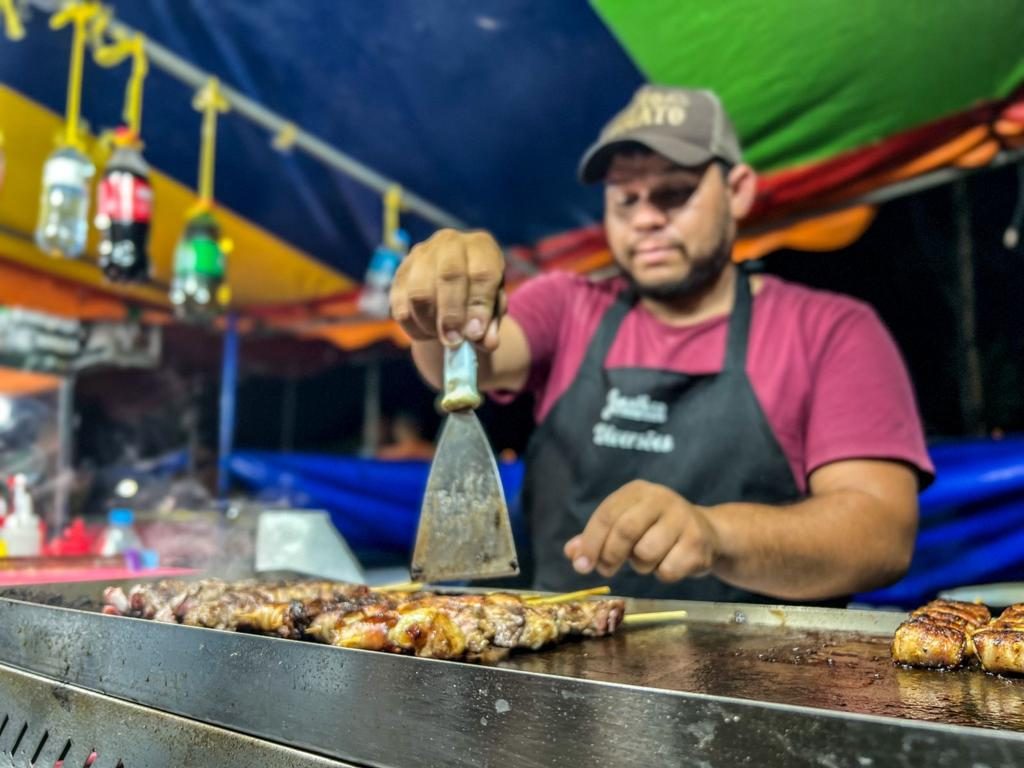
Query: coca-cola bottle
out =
(124, 209)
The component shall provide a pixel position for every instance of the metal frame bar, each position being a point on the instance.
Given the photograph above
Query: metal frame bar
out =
(228, 397)
(181, 70)
(65, 452)
(895, 190)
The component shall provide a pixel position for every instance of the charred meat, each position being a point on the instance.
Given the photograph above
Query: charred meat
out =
(1000, 646)
(945, 635)
(920, 642)
(473, 627)
(939, 635)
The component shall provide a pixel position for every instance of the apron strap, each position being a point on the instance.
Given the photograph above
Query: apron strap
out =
(607, 330)
(739, 325)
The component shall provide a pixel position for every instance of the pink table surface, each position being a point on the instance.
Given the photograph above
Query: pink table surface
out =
(60, 575)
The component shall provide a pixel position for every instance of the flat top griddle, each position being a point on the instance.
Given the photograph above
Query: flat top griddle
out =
(833, 659)
(842, 671)
(799, 681)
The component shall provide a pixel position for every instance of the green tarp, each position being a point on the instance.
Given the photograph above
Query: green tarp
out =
(807, 79)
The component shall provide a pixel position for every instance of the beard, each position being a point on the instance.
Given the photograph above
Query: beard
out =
(703, 273)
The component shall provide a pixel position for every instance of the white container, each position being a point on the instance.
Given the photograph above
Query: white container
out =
(21, 529)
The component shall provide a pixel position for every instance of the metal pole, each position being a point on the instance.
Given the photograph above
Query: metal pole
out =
(288, 407)
(275, 123)
(65, 453)
(228, 391)
(371, 409)
(972, 394)
(195, 390)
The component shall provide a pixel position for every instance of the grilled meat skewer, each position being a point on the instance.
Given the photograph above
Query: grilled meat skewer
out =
(353, 616)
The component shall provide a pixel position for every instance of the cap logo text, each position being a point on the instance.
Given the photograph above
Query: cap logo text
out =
(649, 108)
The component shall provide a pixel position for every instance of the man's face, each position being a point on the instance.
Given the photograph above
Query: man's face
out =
(669, 228)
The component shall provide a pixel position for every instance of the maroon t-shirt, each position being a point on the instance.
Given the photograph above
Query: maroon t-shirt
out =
(825, 371)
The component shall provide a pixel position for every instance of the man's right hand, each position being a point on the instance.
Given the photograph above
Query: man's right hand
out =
(449, 288)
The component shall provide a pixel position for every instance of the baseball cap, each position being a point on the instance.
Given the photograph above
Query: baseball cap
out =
(687, 126)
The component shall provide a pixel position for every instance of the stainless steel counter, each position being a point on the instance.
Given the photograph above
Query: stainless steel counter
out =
(733, 685)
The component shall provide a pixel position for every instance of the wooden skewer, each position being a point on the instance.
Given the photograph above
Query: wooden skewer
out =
(568, 596)
(655, 617)
(400, 586)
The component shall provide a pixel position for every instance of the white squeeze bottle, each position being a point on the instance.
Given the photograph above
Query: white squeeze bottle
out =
(21, 528)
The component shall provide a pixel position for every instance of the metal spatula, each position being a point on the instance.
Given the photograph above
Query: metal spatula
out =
(464, 530)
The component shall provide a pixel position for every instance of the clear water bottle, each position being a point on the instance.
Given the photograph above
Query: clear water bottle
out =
(64, 208)
(119, 537)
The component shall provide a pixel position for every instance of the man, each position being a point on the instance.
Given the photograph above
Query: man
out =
(701, 434)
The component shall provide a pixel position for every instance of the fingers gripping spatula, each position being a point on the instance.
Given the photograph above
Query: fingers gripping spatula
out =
(464, 530)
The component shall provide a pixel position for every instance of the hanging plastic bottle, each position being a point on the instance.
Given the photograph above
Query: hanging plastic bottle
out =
(124, 209)
(64, 207)
(199, 267)
(63, 223)
(374, 298)
(198, 289)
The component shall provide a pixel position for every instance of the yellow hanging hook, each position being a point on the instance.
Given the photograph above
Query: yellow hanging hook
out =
(113, 54)
(210, 101)
(98, 24)
(284, 140)
(14, 29)
(133, 96)
(80, 14)
(392, 210)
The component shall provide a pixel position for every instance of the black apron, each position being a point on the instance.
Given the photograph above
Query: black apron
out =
(704, 436)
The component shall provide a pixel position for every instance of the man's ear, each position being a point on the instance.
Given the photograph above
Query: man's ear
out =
(742, 187)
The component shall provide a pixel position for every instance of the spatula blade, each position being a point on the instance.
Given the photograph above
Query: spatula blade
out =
(464, 530)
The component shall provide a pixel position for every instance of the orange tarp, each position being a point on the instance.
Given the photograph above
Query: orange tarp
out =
(17, 383)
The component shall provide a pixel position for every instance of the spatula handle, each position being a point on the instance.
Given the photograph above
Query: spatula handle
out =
(460, 390)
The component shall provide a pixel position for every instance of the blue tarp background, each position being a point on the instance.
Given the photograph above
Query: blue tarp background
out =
(972, 518)
(375, 504)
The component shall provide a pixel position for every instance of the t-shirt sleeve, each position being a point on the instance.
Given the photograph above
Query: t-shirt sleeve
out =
(539, 306)
(862, 404)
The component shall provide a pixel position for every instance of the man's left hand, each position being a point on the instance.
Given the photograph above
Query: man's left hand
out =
(652, 527)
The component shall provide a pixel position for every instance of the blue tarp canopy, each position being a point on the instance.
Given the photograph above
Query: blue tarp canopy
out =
(390, 84)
